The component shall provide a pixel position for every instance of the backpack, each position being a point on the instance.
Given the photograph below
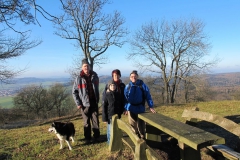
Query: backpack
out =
(136, 94)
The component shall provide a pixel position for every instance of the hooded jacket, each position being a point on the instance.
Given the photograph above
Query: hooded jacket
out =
(120, 89)
(138, 108)
(112, 105)
(80, 92)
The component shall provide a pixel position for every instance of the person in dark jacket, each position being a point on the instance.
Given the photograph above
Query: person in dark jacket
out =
(112, 105)
(86, 96)
(120, 86)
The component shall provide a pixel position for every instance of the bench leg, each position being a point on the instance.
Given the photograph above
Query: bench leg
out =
(188, 153)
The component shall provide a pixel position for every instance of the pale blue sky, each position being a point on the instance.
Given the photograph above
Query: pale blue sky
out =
(222, 25)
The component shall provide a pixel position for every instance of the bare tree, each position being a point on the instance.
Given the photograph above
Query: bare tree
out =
(57, 95)
(31, 100)
(42, 102)
(93, 31)
(13, 12)
(172, 51)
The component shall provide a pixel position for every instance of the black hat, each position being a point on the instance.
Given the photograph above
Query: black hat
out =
(134, 72)
(117, 71)
(85, 61)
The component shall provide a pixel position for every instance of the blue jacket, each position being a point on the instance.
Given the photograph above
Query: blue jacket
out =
(139, 108)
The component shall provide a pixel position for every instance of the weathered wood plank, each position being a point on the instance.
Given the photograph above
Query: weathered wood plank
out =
(127, 140)
(189, 135)
(225, 151)
(216, 119)
(229, 125)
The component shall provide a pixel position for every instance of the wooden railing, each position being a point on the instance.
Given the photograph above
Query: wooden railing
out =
(141, 150)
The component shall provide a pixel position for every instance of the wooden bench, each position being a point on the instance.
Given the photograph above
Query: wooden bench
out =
(192, 117)
(190, 139)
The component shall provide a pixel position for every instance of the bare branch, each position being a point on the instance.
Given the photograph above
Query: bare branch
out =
(92, 31)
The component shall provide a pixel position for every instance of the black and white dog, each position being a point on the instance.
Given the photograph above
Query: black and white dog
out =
(64, 131)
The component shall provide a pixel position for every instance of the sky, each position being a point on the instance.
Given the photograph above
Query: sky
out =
(55, 55)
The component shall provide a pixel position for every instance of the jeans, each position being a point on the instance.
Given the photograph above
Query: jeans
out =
(109, 131)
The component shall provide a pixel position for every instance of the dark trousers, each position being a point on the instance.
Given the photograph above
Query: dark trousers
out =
(91, 114)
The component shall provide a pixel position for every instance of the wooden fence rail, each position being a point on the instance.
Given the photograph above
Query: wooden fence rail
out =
(141, 150)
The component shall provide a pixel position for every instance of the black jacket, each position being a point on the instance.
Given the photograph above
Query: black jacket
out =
(112, 105)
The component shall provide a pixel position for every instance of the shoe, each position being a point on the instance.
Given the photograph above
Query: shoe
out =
(87, 142)
(96, 140)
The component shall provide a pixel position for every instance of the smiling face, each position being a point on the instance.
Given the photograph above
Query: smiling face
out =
(86, 68)
(116, 77)
(112, 87)
(133, 77)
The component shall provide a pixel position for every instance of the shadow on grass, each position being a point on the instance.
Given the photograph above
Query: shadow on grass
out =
(102, 139)
(4, 156)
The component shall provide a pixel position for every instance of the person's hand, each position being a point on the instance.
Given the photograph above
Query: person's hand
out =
(79, 107)
(125, 112)
(152, 110)
(105, 122)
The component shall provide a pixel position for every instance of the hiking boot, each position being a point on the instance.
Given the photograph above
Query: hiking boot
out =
(96, 140)
(87, 142)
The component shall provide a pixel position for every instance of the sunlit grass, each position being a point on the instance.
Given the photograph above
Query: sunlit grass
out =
(36, 142)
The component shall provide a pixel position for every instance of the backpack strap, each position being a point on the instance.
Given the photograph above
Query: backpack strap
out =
(143, 94)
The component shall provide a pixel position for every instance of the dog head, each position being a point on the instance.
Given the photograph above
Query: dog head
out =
(53, 127)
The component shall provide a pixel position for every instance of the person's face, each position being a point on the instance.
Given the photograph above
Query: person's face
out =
(116, 77)
(133, 77)
(86, 68)
(112, 87)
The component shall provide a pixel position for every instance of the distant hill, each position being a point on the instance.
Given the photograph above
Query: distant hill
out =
(216, 80)
(224, 79)
(104, 79)
(39, 80)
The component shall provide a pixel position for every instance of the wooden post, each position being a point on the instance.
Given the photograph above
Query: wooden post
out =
(188, 153)
(116, 136)
(140, 150)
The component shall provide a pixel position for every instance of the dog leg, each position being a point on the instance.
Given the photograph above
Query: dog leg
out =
(72, 139)
(61, 144)
(70, 148)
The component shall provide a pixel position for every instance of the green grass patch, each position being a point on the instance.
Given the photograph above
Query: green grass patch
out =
(6, 102)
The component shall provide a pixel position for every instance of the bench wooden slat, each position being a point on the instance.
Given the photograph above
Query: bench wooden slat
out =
(216, 119)
(225, 151)
(189, 135)
(228, 125)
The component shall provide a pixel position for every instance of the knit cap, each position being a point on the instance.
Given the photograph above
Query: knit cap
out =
(134, 72)
(117, 71)
(110, 82)
(85, 61)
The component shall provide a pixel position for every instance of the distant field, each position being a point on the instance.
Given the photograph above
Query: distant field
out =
(6, 102)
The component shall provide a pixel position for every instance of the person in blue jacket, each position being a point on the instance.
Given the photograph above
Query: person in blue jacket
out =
(136, 94)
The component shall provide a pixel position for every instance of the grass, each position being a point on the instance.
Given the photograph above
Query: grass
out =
(35, 142)
(6, 102)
